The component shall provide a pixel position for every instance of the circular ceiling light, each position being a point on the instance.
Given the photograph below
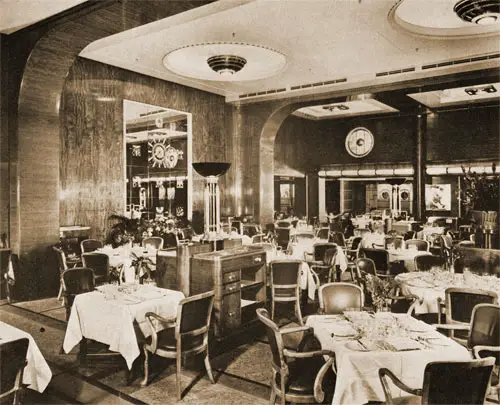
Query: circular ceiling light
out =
(225, 61)
(483, 12)
(226, 64)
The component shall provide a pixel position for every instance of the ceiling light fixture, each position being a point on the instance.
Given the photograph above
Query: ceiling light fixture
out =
(226, 64)
(482, 12)
(333, 107)
(473, 91)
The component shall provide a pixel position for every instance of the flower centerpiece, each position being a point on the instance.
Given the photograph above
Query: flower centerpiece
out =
(380, 291)
(123, 231)
(142, 265)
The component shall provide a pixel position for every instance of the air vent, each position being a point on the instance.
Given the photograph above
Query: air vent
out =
(460, 61)
(261, 93)
(318, 84)
(395, 72)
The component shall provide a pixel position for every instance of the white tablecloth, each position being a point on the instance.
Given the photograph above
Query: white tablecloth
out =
(110, 320)
(429, 286)
(357, 371)
(406, 255)
(37, 374)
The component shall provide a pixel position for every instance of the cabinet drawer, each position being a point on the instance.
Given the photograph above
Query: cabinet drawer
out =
(231, 288)
(245, 261)
(231, 277)
(231, 311)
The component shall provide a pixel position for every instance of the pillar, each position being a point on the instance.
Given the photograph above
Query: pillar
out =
(419, 166)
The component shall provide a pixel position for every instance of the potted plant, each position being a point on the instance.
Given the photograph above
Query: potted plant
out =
(480, 196)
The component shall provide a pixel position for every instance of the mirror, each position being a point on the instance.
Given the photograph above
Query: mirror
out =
(158, 169)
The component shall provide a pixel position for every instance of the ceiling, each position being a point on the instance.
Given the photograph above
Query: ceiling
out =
(349, 41)
(17, 14)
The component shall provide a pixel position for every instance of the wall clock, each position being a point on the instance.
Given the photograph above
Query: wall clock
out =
(359, 142)
(161, 155)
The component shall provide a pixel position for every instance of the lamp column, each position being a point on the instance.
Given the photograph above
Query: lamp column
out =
(419, 165)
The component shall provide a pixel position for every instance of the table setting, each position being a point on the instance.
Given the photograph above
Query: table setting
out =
(364, 342)
(431, 285)
(121, 313)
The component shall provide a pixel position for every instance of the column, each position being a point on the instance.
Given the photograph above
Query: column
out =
(419, 166)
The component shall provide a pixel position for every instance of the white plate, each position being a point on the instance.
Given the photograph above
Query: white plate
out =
(356, 346)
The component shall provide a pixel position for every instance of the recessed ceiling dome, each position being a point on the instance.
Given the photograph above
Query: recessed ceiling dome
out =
(478, 11)
(225, 61)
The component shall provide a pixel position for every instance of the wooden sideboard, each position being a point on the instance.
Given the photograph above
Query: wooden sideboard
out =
(238, 278)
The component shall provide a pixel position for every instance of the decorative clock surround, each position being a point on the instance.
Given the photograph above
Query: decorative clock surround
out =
(359, 142)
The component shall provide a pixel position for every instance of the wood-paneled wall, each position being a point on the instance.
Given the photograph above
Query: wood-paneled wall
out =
(91, 170)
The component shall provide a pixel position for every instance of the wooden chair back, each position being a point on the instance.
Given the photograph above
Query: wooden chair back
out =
(485, 328)
(460, 303)
(90, 245)
(154, 241)
(323, 233)
(283, 237)
(275, 340)
(13, 356)
(427, 262)
(379, 256)
(337, 238)
(319, 250)
(420, 244)
(193, 316)
(99, 263)
(77, 280)
(335, 298)
(61, 259)
(395, 241)
(456, 383)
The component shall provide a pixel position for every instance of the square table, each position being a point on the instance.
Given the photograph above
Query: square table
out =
(109, 314)
(37, 374)
(357, 369)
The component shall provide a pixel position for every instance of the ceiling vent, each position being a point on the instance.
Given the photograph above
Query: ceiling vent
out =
(461, 61)
(261, 93)
(318, 84)
(395, 72)
(483, 12)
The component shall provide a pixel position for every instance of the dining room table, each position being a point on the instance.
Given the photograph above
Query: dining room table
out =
(37, 373)
(116, 316)
(428, 286)
(364, 342)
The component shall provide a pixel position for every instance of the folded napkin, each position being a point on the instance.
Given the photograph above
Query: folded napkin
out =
(402, 343)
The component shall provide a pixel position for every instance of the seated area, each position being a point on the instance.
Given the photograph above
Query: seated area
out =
(250, 202)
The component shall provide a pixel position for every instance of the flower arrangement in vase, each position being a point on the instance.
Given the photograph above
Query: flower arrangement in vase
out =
(142, 265)
(380, 291)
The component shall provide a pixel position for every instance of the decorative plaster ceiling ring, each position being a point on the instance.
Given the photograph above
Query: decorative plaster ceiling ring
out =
(437, 20)
(192, 61)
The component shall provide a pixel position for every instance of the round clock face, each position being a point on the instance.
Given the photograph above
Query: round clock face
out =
(159, 151)
(359, 142)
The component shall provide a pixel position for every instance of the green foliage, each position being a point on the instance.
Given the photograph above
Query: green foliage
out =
(480, 191)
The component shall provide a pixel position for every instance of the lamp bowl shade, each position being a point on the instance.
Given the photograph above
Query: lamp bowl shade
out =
(395, 181)
(214, 169)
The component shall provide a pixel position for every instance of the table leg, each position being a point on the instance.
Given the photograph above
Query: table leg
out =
(82, 355)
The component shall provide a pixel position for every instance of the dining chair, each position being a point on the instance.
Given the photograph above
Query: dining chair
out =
(258, 238)
(337, 238)
(61, 260)
(352, 251)
(283, 224)
(238, 225)
(156, 242)
(323, 234)
(459, 304)
(409, 235)
(484, 338)
(77, 280)
(445, 383)
(251, 230)
(380, 257)
(303, 237)
(402, 303)
(420, 244)
(326, 268)
(427, 262)
(395, 241)
(4, 269)
(99, 263)
(283, 237)
(285, 284)
(308, 378)
(185, 334)
(466, 244)
(13, 355)
(445, 243)
(90, 245)
(335, 298)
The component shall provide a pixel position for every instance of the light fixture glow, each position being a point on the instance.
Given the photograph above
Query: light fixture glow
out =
(482, 12)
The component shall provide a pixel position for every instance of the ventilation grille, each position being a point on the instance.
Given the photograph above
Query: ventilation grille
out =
(395, 72)
(318, 84)
(461, 61)
(261, 93)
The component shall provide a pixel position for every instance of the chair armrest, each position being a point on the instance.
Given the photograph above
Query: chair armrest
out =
(452, 326)
(478, 348)
(319, 394)
(307, 355)
(383, 373)
(154, 335)
(296, 329)
(440, 305)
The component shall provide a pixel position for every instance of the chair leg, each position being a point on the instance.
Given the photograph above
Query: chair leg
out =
(208, 367)
(272, 400)
(283, 394)
(146, 368)
(59, 295)
(178, 375)
(272, 309)
(298, 312)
